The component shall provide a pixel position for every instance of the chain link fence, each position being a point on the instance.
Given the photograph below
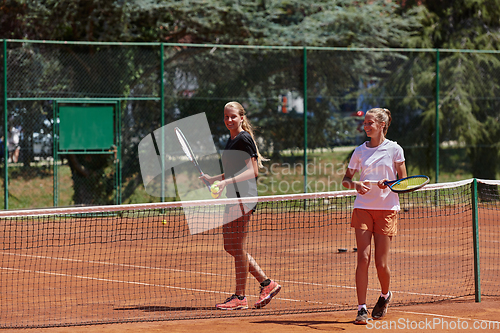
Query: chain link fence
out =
(301, 100)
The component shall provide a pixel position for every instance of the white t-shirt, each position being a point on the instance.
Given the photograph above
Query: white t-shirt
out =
(376, 164)
(13, 138)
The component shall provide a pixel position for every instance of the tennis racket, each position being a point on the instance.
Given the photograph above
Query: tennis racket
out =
(407, 184)
(189, 152)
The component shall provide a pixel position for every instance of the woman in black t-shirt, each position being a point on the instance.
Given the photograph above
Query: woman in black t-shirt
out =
(241, 161)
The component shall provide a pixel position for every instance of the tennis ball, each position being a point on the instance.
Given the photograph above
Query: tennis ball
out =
(164, 221)
(214, 188)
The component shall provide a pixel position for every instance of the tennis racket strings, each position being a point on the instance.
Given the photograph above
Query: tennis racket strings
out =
(184, 145)
(410, 183)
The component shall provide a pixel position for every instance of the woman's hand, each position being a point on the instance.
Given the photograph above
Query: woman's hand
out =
(207, 178)
(212, 179)
(381, 184)
(361, 187)
(221, 185)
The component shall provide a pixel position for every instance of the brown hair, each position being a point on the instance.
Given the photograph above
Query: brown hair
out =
(247, 126)
(382, 115)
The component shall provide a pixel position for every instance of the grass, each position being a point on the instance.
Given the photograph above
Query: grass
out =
(324, 172)
(34, 187)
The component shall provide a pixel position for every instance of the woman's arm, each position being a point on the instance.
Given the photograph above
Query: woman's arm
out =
(347, 182)
(401, 169)
(212, 179)
(251, 172)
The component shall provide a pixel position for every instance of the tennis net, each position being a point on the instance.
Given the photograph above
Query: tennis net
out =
(110, 264)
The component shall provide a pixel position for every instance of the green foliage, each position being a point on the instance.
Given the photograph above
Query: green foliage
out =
(469, 82)
(271, 22)
(204, 79)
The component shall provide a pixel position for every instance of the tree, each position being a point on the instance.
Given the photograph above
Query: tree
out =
(469, 82)
(219, 74)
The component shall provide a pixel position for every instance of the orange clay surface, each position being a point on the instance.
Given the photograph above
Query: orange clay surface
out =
(452, 315)
(436, 317)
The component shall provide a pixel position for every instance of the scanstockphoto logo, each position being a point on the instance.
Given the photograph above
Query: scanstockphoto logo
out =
(437, 323)
(173, 157)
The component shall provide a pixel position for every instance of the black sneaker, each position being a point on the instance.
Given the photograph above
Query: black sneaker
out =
(380, 308)
(362, 317)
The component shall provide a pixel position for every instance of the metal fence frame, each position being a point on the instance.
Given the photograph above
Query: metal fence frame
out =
(161, 97)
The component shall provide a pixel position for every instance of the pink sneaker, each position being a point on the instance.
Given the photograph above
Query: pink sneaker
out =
(267, 293)
(233, 303)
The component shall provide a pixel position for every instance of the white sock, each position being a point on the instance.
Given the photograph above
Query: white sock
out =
(361, 307)
(386, 295)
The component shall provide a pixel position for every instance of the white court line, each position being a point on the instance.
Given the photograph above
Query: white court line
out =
(200, 273)
(438, 315)
(109, 263)
(108, 280)
(147, 284)
(371, 289)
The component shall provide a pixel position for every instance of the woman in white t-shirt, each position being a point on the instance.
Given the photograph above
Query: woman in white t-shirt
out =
(13, 143)
(376, 207)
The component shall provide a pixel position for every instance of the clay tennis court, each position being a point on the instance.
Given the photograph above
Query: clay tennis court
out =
(87, 270)
(439, 317)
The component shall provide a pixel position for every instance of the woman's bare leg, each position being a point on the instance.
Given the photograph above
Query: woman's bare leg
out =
(363, 241)
(382, 247)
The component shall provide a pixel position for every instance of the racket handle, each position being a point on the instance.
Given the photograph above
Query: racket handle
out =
(386, 183)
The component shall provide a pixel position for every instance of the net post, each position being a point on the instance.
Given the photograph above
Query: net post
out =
(475, 235)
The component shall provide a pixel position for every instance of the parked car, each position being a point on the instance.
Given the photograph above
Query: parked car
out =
(42, 144)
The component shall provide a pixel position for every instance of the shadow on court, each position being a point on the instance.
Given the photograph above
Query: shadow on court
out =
(327, 325)
(156, 308)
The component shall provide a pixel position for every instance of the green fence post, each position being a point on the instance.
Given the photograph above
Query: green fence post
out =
(5, 130)
(305, 117)
(55, 145)
(437, 116)
(118, 125)
(475, 235)
(162, 109)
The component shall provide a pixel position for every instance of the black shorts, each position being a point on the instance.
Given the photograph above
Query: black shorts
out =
(246, 208)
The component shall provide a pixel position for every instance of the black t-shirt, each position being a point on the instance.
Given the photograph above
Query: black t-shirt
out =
(236, 152)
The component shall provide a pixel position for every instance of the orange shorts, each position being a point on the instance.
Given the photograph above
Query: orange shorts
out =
(384, 222)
